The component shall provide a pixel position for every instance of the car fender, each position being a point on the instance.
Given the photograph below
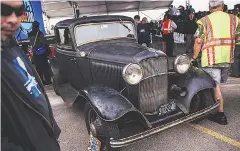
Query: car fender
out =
(109, 104)
(194, 81)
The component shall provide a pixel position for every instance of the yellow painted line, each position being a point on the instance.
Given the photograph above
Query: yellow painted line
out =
(216, 135)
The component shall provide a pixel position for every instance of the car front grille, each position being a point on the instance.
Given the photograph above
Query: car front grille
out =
(154, 86)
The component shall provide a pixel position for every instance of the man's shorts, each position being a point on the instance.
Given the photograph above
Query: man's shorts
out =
(219, 75)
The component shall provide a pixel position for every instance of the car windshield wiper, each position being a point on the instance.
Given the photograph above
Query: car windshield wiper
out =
(121, 22)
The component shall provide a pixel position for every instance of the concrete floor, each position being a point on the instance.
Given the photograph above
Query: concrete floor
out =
(185, 137)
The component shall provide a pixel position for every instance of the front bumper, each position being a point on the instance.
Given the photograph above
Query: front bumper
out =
(131, 139)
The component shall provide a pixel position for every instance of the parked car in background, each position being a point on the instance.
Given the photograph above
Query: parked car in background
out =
(126, 87)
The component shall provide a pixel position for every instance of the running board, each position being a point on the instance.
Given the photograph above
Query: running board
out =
(131, 139)
(68, 94)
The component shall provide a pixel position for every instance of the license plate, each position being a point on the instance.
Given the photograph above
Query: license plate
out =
(93, 143)
(166, 108)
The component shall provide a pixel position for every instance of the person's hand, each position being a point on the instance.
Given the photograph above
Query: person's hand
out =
(193, 62)
(193, 59)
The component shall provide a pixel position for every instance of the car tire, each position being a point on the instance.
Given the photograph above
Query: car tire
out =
(54, 84)
(104, 130)
(200, 101)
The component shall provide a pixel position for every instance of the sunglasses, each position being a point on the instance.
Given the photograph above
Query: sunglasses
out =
(7, 10)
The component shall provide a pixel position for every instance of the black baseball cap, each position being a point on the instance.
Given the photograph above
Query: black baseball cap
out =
(35, 24)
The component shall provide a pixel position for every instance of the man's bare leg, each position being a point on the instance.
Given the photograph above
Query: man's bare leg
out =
(218, 97)
(220, 118)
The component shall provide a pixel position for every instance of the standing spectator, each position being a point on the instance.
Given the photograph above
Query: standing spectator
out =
(144, 20)
(167, 29)
(40, 53)
(143, 31)
(225, 9)
(191, 10)
(137, 19)
(27, 119)
(190, 29)
(217, 55)
(236, 11)
(173, 10)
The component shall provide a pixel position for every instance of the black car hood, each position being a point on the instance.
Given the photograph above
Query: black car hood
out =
(120, 51)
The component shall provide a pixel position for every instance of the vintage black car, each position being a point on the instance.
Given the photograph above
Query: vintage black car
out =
(128, 89)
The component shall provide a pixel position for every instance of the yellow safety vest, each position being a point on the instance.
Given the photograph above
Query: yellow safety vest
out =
(219, 42)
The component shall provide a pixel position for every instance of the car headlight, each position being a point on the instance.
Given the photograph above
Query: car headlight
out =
(182, 64)
(132, 73)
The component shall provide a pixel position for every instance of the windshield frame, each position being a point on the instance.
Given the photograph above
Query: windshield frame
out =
(105, 39)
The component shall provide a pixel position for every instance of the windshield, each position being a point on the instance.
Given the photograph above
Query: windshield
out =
(103, 31)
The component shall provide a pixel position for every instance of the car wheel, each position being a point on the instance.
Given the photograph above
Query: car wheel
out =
(54, 84)
(100, 129)
(200, 101)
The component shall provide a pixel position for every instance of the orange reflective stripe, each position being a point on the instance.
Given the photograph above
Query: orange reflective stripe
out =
(211, 56)
(215, 39)
(232, 45)
(233, 25)
(210, 27)
(208, 57)
(214, 59)
(232, 33)
(218, 42)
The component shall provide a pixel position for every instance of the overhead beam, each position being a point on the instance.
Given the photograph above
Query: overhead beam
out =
(54, 10)
(53, 2)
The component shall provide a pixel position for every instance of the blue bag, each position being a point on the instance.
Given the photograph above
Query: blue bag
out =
(40, 51)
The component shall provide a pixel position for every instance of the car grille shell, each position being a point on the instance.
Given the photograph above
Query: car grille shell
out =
(153, 89)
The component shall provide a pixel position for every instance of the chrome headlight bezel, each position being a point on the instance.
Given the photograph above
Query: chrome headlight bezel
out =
(128, 67)
(176, 64)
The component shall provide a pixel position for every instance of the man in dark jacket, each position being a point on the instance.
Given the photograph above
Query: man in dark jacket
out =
(190, 29)
(40, 53)
(143, 31)
(27, 119)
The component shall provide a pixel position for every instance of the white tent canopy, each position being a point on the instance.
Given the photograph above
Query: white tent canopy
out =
(54, 9)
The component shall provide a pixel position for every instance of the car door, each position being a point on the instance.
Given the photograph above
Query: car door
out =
(67, 59)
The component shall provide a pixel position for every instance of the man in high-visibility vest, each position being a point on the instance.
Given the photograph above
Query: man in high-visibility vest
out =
(167, 29)
(216, 37)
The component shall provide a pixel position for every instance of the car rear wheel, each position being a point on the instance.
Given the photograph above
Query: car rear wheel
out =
(100, 129)
(200, 101)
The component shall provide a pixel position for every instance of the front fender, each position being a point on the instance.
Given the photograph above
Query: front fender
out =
(109, 104)
(194, 81)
